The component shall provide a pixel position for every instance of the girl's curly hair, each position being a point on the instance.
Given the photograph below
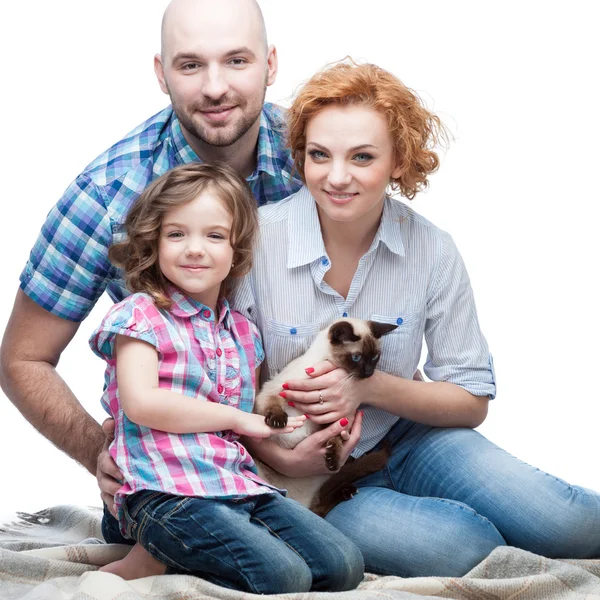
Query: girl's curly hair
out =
(138, 254)
(414, 130)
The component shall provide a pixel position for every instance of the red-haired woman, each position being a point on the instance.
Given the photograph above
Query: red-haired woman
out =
(342, 247)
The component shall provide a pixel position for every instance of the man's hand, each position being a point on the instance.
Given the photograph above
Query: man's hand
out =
(108, 474)
(253, 425)
(341, 393)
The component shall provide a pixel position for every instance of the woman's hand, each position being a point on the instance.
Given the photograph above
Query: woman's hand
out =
(308, 457)
(253, 425)
(108, 474)
(340, 393)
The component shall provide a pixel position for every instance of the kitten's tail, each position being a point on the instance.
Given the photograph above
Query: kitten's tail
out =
(340, 486)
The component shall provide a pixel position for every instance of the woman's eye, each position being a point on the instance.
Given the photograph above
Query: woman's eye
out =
(356, 357)
(317, 154)
(363, 157)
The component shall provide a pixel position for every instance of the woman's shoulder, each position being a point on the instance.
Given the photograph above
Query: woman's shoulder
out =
(275, 212)
(413, 224)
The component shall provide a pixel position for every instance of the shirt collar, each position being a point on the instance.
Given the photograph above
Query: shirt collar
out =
(389, 228)
(184, 153)
(268, 148)
(305, 241)
(186, 307)
(306, 244)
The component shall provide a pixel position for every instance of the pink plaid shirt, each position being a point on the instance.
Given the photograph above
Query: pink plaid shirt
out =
(200, 358)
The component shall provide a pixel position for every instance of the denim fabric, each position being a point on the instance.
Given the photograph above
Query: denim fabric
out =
(448, 497)
(264, 544)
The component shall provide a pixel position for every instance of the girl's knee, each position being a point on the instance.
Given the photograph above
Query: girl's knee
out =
(346, 567)
(283, 579)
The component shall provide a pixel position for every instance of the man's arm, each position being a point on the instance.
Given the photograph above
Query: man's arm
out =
(33, 342)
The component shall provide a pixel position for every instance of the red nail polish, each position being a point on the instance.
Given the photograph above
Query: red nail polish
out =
(307, 417)
(291, 404)
(283, 394)
(309, 370)
(344, 422)
(285, 386)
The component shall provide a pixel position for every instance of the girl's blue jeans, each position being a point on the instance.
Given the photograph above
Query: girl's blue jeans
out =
(264, 544)
(448, 497)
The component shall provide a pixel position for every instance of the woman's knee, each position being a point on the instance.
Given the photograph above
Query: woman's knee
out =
(569, 528)
(416, 537)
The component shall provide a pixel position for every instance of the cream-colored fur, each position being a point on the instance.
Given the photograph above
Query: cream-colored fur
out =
(301, 489)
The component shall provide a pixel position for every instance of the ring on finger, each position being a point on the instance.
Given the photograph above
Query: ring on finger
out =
(320, 396)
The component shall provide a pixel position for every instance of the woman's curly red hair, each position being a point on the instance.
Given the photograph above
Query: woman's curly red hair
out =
(415, 131)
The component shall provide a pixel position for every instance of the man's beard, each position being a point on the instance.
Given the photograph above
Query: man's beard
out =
(219, 134)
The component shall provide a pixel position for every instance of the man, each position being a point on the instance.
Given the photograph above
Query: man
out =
(215, 65)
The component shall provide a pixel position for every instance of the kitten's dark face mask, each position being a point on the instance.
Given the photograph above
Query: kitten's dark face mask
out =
(358, 354)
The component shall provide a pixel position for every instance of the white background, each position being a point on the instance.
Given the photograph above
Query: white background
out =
(518, 188)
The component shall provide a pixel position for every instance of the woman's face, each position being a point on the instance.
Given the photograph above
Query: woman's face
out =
(349, 161)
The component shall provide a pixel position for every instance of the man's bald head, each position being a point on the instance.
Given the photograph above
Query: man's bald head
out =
(180, 12)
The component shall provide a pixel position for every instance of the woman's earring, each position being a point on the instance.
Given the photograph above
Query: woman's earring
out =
(232, 265)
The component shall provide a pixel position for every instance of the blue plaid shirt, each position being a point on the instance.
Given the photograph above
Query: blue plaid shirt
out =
(68, 268)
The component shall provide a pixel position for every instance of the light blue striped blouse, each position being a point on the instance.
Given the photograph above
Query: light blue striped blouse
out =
(412, 275)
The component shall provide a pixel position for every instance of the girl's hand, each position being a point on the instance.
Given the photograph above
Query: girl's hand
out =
(254, 425)
(341, 394)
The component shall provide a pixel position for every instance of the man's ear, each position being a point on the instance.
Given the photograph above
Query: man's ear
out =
(272, 65)
(159, 71)
(342, 332)
(379, 329)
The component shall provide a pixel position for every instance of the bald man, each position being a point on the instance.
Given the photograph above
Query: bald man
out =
(215, 64)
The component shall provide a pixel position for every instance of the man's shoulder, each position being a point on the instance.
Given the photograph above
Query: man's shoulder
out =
(136, 150)
(276, 117)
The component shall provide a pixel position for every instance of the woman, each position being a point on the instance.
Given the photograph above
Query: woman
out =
(341, 247)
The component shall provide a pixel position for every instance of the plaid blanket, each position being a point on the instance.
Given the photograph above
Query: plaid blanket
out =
(55, 553)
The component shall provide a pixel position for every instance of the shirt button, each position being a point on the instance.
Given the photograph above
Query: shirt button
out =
(220, 389)
(293, 331)
(206, 313)
(219, 351)
(399, 320)
(344, 314)
(324, 261)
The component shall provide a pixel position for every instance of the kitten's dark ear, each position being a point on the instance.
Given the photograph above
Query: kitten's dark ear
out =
(379, 329)
(342, 332)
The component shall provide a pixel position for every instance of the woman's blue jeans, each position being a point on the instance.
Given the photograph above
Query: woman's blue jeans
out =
(448, 497)
(264, 544)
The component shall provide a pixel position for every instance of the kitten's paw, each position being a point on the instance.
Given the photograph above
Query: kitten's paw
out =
(276, 417)
(333, 450)
(348, 491)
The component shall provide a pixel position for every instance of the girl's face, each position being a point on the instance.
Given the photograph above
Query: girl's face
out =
(349, 161)
(194, 251)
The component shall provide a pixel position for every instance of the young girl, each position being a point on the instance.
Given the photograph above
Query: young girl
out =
(180, 383)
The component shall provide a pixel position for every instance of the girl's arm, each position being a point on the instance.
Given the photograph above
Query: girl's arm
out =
(148, 405)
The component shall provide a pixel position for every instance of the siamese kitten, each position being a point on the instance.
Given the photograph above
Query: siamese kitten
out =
(352, 344)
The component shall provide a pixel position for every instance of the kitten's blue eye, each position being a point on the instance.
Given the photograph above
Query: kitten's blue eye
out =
(356, 357)
(376, 357)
